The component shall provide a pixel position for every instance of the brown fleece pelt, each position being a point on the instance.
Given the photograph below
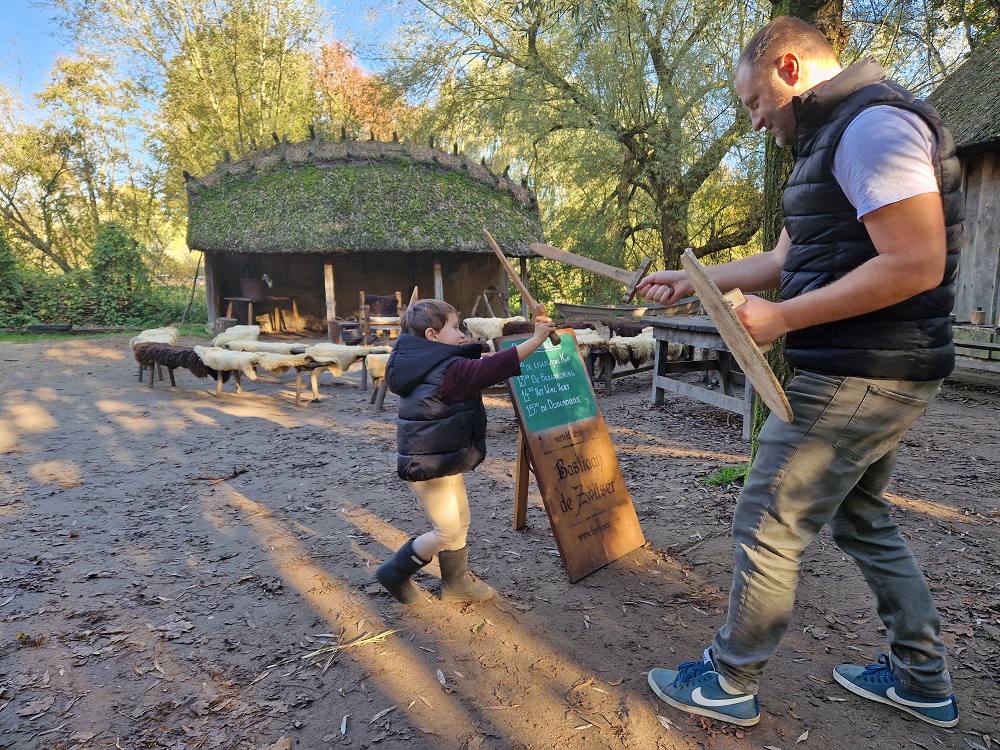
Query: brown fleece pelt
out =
(518, 327)
(628, 327)
(172, 357)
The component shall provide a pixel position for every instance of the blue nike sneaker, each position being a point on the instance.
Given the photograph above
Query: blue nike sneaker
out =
(698, 689)
(877, 683)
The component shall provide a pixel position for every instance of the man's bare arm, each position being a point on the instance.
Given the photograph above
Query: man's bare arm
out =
(756, 273)
(909, 237)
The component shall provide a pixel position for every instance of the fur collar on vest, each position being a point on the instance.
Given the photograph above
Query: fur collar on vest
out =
(815, 107)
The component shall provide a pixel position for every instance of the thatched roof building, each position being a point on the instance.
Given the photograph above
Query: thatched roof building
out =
(326, 219)
(969, 102)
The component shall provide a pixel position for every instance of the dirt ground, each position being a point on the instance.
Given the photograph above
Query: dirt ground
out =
(181, 571)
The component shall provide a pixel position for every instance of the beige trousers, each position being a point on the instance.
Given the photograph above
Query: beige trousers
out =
(447, 505)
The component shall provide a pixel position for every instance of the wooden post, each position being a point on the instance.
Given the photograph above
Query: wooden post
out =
(521, 483)
(525, 312)
(438, 280)
(331, 299)
(211, 288)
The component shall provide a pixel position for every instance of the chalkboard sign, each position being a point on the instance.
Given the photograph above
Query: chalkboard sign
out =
(553, 388)
(567, 441)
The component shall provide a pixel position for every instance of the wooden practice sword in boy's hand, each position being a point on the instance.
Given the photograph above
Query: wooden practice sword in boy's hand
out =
(535, 307)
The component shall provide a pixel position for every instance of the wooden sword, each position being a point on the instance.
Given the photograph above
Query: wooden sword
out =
(535, 307)
(630, 279)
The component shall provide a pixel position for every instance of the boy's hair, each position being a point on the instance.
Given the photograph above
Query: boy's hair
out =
(424, 314)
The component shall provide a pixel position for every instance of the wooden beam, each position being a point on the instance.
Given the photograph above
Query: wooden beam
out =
(521, 479)
(211, 288)
(438, 280)
(331, 299)
(525, 312)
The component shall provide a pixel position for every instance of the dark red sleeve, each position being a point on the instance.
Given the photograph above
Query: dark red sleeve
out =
(467, 377)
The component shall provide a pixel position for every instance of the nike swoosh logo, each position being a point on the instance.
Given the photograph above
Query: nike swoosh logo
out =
(891, 692)
(701, 700)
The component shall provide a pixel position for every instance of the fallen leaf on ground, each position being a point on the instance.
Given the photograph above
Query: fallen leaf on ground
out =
(37, 706)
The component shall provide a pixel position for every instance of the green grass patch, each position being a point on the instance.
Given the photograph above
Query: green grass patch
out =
(727, 475)
(188, 330)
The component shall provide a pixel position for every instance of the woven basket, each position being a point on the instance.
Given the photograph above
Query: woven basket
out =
(253, 288)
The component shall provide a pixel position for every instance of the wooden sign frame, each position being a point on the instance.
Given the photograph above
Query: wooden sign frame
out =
(565, 439)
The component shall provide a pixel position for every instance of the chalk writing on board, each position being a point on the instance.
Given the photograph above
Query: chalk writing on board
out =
(553, 388)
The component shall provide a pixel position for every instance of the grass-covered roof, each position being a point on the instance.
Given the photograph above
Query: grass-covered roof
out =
(358, 196)
(969, 99)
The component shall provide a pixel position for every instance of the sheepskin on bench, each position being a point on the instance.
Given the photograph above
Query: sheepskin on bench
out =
(375, 364)
(237, 333)
(518, 327)
(634, 349)
(227, 360)
(252, 345)
(487, 329)
(246, 355)
(224, 360)
(624, 326)
(338, 358)
(170, 356)
(166, 335)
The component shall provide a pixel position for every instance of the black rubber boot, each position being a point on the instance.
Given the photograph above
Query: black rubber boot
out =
(394, 574)
(456, 585)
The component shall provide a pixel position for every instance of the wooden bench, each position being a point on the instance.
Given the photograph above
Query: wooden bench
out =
(601, 367)
(985, 346)
(966, 355)
(699, 332)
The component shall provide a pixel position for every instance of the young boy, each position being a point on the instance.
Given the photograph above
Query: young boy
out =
(441, 433)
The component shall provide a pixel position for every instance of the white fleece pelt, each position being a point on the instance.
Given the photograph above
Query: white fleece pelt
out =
(340, 357)
(273, 347)
(279, 363)
(376, 365)
(165, 335)
(588, 337)
(488, 329)
(224, 359)
(237, 333)
(635, 349)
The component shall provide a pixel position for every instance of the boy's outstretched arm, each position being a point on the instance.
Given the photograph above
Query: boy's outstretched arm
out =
(543, 327)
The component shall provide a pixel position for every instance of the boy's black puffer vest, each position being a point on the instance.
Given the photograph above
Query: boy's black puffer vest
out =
(911, 340)
(433, 439)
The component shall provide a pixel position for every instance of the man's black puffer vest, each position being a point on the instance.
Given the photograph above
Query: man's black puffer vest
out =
(433, 439)
(911, 340)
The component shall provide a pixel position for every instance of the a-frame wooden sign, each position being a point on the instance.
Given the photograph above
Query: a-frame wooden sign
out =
(565, 439)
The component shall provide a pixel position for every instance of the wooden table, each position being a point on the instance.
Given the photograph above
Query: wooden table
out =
(699, 331)
(277, 319)
(601, 367)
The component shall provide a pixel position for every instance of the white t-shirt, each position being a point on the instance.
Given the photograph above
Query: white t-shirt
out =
(886, 155)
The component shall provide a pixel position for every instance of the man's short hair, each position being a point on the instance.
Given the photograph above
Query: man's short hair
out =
(786, 34)
(424, 314)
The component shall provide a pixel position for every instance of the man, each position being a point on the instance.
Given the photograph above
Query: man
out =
(866, 266)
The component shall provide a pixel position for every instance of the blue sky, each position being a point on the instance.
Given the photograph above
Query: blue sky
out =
(30, 48)
(31, 43)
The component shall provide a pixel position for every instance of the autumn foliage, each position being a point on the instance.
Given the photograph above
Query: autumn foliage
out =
(361, 102)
